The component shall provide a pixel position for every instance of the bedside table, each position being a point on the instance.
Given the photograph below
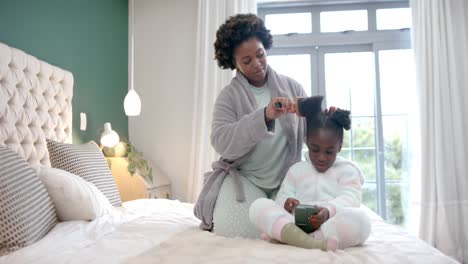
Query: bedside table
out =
(159, 192)
(132, 187)
(160, 187)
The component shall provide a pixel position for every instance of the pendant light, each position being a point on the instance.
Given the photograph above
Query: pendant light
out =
(132, 102)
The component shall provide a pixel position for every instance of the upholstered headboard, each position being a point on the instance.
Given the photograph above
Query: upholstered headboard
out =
(35, 104)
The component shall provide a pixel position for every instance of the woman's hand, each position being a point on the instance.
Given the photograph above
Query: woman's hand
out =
(330, 110)
(321, 217)
(290, 204)
(287, 106)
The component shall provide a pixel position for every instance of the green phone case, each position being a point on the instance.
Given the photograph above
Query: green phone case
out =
(301, 216)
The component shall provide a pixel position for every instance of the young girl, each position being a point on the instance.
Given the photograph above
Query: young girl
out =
(325, 180)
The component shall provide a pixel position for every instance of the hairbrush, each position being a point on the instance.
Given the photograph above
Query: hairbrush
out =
(305, 105)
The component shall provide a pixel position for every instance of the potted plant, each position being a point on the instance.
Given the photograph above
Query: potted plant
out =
(136, 161)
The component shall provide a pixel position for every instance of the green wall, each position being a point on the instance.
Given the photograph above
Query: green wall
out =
(88, 38)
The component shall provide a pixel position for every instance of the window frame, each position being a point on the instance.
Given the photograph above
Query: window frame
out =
(317, 44)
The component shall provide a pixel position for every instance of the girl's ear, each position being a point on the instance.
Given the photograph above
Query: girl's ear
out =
(339, 149)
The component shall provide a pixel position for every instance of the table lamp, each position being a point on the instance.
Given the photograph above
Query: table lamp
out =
(109, 137)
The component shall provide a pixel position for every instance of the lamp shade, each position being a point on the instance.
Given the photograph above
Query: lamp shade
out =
(132, 103)
(109, 137)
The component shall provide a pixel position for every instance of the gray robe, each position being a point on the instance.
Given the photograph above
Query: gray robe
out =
(237, 127)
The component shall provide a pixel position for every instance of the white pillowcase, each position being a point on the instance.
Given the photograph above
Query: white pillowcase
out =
(74, 198)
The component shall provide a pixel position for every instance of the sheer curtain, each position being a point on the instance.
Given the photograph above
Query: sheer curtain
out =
(209, 80)
(441, 50)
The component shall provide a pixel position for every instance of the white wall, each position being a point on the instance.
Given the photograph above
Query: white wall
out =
(164, 51)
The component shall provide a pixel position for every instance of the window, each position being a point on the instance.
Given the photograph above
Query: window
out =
(297, 23)
(336, 21)
(360, 59)
(300, 72)
(393, 18)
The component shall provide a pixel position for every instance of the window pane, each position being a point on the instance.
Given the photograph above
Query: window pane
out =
(349, 82)
(397, 83)
(294, 66)
(395, 133)
(369, 196)
(360, 146)
(338, 21)
(346, 140)
(393, 18)
(395, 200)
(345, 153)
(289, 23)
(397, 78)
(365, 159)
(363, 132)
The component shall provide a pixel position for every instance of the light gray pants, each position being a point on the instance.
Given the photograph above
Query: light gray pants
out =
(230, 217)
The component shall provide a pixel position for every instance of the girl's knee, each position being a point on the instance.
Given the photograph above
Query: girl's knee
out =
(360, 220)
(354, 225)
(365, 225)
(362, 224)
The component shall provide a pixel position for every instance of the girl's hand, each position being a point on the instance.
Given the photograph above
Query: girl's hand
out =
(321, 217)
(290, 204)
(287, 106)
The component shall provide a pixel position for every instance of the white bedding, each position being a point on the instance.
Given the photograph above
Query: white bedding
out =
(150, 231)
(131, 229)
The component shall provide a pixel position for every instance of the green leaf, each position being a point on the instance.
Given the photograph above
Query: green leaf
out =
(150, 175)
(131, 168)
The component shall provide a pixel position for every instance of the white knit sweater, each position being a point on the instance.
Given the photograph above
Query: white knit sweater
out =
(338, 187)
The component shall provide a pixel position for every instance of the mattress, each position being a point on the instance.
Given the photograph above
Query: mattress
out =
(166, 231)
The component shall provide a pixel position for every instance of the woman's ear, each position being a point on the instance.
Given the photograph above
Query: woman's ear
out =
(234, 63)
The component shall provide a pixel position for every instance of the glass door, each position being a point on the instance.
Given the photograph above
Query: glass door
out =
(373, 82)
(347, 79)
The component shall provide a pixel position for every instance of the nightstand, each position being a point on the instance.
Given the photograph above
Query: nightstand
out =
(132, 187)
(159, 191)
(160, 187)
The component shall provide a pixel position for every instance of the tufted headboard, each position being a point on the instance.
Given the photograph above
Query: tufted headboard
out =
(35, 104)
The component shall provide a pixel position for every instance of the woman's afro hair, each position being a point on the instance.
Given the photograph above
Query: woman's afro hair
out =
(236, 30)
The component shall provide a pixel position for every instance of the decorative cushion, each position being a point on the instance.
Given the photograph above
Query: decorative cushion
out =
(73, 197)
(85, 160)
(26, 210)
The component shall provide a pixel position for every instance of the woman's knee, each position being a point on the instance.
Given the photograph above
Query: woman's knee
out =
(257, 206)
(230, 217)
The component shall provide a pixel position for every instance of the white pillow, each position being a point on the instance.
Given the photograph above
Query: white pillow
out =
(74, 198)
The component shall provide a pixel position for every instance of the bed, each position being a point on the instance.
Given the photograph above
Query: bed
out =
(35, 105)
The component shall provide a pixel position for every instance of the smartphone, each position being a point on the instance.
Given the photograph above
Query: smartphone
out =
(302, 213)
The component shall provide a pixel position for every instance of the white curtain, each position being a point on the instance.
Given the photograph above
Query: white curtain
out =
(209, 80)
(440, 36)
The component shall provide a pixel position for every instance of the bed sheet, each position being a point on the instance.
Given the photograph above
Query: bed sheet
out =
(165, 231)
(129, 230)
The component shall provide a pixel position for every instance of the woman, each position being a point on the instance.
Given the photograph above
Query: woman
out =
(257, 142)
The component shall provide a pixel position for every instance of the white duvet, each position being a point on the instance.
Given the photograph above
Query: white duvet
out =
(165, 231)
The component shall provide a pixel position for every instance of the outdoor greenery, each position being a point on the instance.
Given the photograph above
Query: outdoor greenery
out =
(363, 153)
